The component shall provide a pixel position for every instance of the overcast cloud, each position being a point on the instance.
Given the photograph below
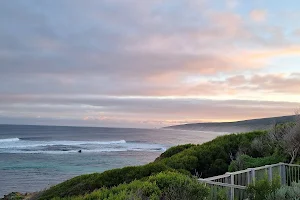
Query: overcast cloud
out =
(147, 63)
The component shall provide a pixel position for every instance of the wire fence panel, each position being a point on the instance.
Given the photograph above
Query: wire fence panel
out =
(292, 174)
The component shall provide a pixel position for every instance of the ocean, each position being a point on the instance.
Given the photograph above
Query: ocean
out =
(33, 158)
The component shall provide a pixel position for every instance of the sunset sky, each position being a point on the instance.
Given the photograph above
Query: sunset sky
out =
(147, 63)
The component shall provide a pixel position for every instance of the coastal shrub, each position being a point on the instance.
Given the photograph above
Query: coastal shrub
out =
(212, 158)
(286, 193)
(178, 186)
(88, 183)
(244, 161)
(163, 186)
(187, 162)
(263, 188)
(262, 147)
(271, 142)
(135, 190)
(174, 150)
(218, 193)
(286, 138)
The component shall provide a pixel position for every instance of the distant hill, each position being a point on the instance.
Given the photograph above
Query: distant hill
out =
(238, 126)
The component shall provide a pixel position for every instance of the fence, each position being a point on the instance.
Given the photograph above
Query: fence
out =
(235, 183)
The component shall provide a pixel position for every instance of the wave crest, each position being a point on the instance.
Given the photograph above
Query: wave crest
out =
(20, 145)
(9, 140)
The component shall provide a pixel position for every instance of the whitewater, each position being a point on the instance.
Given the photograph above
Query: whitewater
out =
(17, 145)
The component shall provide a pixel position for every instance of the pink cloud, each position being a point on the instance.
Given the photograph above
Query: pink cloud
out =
(232, 3)
(258, 15)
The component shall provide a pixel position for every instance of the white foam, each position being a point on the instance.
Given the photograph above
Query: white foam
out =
(109, 142)
(9, 140)
(65, 147)
(83, 151)
(17, 143)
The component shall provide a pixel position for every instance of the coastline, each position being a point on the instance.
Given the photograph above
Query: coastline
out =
(183, 158)
(51, 165)
(161, 164)
(178, 162)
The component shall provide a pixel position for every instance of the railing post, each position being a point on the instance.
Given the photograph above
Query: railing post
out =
(282, 174)
(231, 188)
(248, 178)
(253, 175)
(270, 173)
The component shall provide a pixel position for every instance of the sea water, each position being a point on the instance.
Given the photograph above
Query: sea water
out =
(33, 158)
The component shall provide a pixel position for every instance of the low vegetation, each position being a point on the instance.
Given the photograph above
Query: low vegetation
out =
(88, 183)
(174, 150)
(163, 186)
(271, 190)
(263, 188)
(286, 193)
(245, 161)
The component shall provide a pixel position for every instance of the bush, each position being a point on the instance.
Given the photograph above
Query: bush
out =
(178, 186)
(219, 193)
(262, 146)
(87, 183)
(263, 188)
(165, 185)
(245, 161)
(212, 158)
(286, 193)
(174, 150)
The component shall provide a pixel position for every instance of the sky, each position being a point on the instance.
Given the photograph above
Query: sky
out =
(147, 63)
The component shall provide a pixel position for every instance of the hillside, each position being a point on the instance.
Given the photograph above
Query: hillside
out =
(238, 126)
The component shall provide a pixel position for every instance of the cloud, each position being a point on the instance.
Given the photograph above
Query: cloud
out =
(231, 4)
(145, 50)
(267, 84)
(258, 15)
(139, 42)
(129, 110)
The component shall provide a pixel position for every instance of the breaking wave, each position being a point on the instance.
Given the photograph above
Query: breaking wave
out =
(9, 140)
(17, 145)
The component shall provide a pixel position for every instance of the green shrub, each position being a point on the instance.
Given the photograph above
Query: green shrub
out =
(219, 194)
(263, 188)
(212, 158)
(245, 161)
(87, 183)
(174, 150)
(286, 193)
(134, 190)
(178, 186)
(165, 185)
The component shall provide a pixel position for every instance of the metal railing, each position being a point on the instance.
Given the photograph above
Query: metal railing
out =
(235, 183)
